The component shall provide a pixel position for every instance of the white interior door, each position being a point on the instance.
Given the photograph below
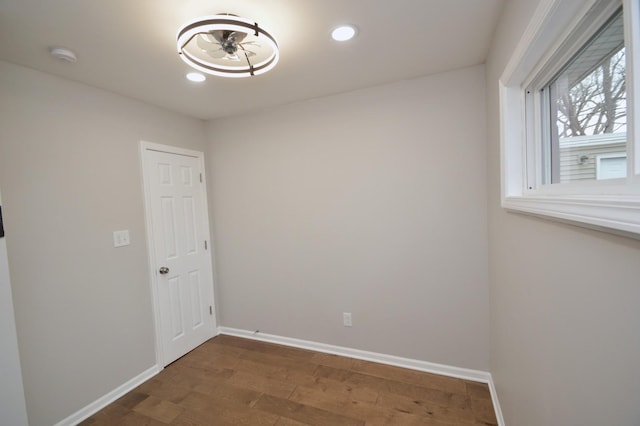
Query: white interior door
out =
(181, 261)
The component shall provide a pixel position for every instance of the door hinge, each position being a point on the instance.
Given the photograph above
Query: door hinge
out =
(210, 310)
(205, 244)
(200, 177)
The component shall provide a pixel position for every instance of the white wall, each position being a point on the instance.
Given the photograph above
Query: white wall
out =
(564, 300)
(13, 410)
(371, 202)
(70, 176)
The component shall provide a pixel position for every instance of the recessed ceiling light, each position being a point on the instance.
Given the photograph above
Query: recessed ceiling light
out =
(343, 33)
(196, 77)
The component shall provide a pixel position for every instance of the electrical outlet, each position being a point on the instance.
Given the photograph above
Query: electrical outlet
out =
(346, 319)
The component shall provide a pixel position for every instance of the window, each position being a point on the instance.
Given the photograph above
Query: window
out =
(584, 100)
(570, 145)
(611, 166)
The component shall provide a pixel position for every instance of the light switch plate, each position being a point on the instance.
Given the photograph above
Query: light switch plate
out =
(121, 238)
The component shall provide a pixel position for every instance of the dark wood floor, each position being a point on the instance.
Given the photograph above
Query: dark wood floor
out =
(234, 381)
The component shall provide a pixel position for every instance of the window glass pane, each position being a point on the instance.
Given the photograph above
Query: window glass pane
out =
(611, 166)
(588, 111)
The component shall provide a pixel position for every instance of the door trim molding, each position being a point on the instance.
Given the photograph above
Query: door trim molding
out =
(151, 257)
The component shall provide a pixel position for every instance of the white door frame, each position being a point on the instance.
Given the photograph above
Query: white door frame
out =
(153, 277)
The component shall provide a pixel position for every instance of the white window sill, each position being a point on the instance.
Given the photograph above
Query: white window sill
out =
(615, 214)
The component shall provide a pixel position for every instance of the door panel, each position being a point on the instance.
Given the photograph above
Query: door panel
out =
(175, 305)
(196, 295)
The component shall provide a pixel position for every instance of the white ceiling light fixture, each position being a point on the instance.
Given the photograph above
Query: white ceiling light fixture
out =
(343, 33)
(196, 77)
(63, 54)
(228, 46)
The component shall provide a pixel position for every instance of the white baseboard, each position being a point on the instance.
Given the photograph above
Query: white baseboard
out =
(413, 364)
(496, 403)
(107, 399)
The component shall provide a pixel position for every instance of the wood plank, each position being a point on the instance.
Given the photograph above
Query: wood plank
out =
(219, 413)
(429, 380)
(370, 413)
(379, 384)
(259, 383)
(462, 416)
(484, 412)
(284, 421)
(478, 390)
(158, 409)
(304, 413)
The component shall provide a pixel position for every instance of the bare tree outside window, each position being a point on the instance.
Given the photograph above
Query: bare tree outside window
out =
(597, 103)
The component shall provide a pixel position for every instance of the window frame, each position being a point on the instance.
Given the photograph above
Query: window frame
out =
(612, 205)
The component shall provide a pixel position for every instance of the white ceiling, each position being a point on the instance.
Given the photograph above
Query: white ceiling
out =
(129, 47)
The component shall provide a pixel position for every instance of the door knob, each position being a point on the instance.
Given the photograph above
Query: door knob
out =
(164, 270)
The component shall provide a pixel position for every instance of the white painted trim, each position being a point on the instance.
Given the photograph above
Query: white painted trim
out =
(615, 216)
(144, 146)
(170, 149)
(12, 405)
(412, 364)
(151, 257)
(535, 44)
(496, 403)
(107, 399)
(632, 38)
